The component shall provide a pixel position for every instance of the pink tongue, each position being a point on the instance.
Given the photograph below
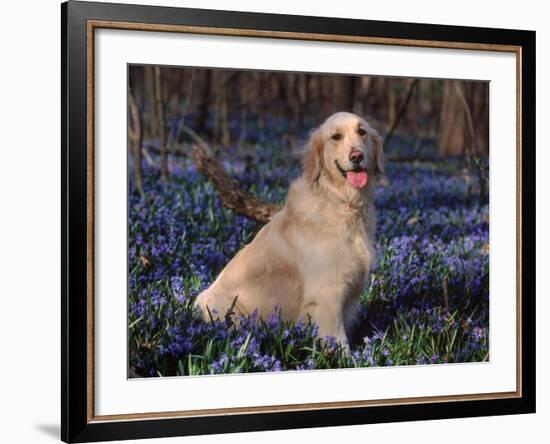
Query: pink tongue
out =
(357, 179)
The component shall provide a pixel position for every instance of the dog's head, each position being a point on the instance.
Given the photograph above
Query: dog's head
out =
(345, 150)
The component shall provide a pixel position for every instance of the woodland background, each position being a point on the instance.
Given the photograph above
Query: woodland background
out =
(224, 106)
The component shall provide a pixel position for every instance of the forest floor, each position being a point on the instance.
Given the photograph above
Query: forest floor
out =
(427, 301)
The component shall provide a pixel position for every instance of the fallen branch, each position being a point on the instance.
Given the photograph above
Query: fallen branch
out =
(231, 195)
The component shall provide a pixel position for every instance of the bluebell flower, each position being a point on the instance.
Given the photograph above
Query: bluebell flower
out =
(180, 237)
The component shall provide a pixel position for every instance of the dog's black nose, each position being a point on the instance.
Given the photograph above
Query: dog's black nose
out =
(356, 156)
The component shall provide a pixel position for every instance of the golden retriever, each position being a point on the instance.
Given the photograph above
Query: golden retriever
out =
(314, 257)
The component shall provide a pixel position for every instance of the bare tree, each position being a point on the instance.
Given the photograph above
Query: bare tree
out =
(450, 137)
(343, 92)
(203, 108)
(161, 122)
(135, 135)
(401, 113)
(150, 130)
(472, 150)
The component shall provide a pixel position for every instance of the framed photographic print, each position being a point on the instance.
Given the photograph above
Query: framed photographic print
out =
(276, 221)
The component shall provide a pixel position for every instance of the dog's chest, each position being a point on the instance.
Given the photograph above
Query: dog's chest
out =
(356, 249)
(341, 253)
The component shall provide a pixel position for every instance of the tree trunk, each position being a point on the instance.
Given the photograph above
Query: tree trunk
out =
(204, 104)
(391, 99)
(360, 104)
(262, 100)
(135, 135)
(472, 150)
(343, 93)
(302, 98)
(478, 100)
(226, 134)
(150, 131)
(402, 110)
(161, 123)
(451, 135)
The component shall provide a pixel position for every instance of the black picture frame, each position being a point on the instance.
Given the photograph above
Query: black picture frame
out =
(76, 423)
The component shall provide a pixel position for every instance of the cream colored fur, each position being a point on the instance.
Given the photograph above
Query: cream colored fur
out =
(314, 257)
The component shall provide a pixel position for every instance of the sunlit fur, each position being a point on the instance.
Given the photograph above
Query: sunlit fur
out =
(314, 257)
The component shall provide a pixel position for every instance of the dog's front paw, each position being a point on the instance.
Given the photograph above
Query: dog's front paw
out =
(334, 343)
(344, 344)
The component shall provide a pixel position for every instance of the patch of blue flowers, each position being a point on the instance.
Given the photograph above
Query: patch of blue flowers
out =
(427, 301)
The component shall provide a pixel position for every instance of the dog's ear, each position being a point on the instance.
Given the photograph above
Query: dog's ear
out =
(313, 157)
(378, 149)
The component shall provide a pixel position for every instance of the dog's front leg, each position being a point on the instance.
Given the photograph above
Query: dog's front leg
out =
(327, 313)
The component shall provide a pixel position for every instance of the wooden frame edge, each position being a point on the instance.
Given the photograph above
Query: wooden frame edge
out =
(105, 24)
(283, 408)
(90, 208)
(237, 32)
(519, 225)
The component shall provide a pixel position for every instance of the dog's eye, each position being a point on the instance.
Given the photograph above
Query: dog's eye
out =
(336, 136)
(361, 131)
